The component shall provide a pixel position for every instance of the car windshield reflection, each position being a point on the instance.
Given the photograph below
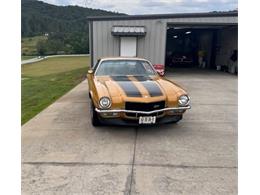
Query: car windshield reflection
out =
(125, 67)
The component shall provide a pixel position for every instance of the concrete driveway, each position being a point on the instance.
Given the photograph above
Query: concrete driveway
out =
(63, 154)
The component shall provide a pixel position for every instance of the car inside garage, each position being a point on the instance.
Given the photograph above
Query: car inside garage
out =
(204, 46)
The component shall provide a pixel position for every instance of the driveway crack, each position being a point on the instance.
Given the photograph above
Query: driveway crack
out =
(75, 164)
(130, 178)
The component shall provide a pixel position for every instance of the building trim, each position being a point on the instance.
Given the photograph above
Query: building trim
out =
(194, 24)
(164, 16)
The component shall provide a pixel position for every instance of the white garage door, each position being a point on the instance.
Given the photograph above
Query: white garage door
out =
(128, 46)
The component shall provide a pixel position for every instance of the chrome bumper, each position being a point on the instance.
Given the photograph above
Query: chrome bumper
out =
(142, 112)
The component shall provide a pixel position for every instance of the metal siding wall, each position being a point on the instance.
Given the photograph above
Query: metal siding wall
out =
(102, 31)
(147, 41)
(90, 41)
(104, 38)
(152, 46)
(160, 42)
(148, 47)
(110, 43)
(115, 41)
(95, 43)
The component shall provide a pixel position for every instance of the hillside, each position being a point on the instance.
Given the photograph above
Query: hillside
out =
(66, 27)
(39, 18)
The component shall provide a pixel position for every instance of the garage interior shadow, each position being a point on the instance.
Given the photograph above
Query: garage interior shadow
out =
(205, 47)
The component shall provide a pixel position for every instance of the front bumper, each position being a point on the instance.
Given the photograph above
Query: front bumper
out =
(142, 112)
(127, 122)
(134, 121)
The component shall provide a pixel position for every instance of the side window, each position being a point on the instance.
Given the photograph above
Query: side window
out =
(148, 68)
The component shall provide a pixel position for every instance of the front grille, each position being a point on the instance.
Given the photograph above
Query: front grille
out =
(144, 107)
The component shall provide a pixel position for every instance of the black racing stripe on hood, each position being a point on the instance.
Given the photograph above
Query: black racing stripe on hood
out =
(152, 88)
(127, 85)
(150, 85)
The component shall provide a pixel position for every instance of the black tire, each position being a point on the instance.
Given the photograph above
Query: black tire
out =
(94, 116)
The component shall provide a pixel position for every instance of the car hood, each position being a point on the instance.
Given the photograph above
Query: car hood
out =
(139, 88)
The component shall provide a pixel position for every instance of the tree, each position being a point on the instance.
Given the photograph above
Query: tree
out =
(41, 47)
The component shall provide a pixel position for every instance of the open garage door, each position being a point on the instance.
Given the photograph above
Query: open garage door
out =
(201, 47)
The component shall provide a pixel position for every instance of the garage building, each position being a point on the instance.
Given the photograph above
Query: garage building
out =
(205, 40)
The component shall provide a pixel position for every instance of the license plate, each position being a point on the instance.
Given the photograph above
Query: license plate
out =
(147, 119)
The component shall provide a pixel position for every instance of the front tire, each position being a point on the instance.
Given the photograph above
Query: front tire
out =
(94, 116)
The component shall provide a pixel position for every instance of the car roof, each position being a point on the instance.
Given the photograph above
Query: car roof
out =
(121, 58)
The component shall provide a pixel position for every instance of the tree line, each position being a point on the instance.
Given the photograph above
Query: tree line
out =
(65, 26)
(64, 43)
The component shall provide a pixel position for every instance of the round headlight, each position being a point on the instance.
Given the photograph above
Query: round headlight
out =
(105, 102)
(184, 100)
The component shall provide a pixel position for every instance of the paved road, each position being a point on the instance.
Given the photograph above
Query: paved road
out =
(32, 60)
(37, 59)
(63, 154)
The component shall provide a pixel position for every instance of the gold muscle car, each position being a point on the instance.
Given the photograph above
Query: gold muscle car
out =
(129, 91)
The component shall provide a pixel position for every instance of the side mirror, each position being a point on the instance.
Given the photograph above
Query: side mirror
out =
(159, 69)
(90, 71)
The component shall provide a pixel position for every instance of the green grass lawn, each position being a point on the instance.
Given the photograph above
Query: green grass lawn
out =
(44, 82)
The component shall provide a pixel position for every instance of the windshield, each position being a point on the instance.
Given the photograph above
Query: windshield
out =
(125, 67)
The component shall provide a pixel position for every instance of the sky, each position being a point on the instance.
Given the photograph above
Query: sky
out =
(152, 6)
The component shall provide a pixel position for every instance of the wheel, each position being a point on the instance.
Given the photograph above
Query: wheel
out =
(94, 116)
